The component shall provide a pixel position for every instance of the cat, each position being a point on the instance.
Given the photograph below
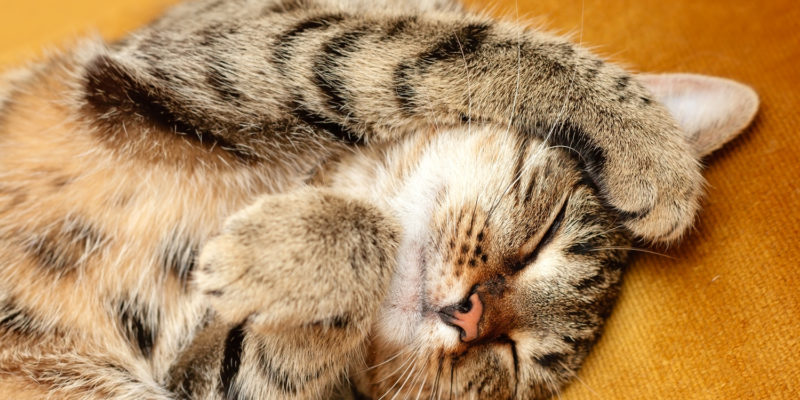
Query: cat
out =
(304, 199)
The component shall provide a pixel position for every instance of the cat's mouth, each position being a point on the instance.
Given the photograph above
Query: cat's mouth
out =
(405, 308)
(407, 315)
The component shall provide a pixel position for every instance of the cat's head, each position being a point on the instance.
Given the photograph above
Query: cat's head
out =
(510, 262)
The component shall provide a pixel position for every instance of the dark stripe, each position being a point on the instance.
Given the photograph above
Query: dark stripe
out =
(66, 247)
(592, 156)
(336, 322)
(16, 320)
(515, 358)
(120, 98)
(276, 374)
(550, 361)
(231, 361)
(179, 257)
(457, 45)
(282, 379)
(622, 82)
(547, 238)
(529, 191)
(590, 282)
(461, 43)
(327, 66)
(519, 163)
(285, 42)
(220, 78)
(632, 215)
(403, 87)
(139, 325)
(340, 321)
(398, 26)
(581, 248)
(337, 131)
(566, 134)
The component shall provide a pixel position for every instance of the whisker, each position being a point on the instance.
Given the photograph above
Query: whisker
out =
(400, 389)
(410, 357)
(578, 378)
(633, 249)
(519, 72)
(386, 361)
(469, 86)
(422, 385)
(452, 370)
(436, 381)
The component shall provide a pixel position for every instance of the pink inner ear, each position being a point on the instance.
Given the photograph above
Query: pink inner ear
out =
(710, 110)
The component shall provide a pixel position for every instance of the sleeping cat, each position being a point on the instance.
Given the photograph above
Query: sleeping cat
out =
(304, 199)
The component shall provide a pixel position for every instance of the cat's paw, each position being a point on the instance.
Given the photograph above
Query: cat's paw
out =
(299, 258)
(659, 184)
(658, 203)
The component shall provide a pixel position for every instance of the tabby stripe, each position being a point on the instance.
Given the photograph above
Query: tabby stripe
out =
(116, 95)
(219, 79)
(590, 282)
(326, 68)
(457, 45)
(179, 257)
(592, 156)
(338, 131)
(276, 374)
(135, 321)
(581, 248)
(622, 82)
(219, 73)
(519, 163)
(398, 26)
(550, 361)
(231, 361)
(405, 93)
(66, 247)
(16, 320)
(285, 42)
(572, 137)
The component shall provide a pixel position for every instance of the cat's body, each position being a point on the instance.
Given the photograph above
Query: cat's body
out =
(456, 252)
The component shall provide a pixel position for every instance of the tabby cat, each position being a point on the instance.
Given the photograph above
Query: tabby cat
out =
(303, 199)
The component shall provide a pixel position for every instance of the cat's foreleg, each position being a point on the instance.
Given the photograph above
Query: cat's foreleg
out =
(376, 75)
(294, 281)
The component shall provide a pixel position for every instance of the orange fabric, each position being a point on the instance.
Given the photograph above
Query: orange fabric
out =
(718, 317)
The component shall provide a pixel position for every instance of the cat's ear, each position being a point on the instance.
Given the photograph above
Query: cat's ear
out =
(711, 111)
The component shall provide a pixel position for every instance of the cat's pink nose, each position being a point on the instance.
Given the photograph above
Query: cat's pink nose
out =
(466, 316)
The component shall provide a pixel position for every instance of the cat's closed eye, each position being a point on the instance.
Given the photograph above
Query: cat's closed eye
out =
(533, 246)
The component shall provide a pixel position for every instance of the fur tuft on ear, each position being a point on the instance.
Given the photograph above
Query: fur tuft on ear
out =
(711, 111)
